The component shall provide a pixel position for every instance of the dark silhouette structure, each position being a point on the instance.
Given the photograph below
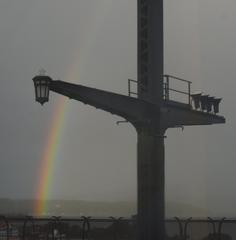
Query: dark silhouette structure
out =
(111, 228)
(151, 114)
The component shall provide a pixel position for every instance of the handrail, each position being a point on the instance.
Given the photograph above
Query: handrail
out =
(177, 78)
(167, 88)
(178, 91)
(108, 219)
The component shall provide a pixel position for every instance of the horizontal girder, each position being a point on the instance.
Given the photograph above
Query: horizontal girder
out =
(139, 112)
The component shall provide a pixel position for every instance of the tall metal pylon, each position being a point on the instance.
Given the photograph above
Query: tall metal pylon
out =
(152, 113)
(150, 147)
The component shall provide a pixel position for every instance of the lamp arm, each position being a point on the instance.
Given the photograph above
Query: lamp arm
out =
(132, 109)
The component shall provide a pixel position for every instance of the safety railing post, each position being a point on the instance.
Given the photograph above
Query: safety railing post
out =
(167, 87)
(129, 87)
(86, 227)
(189, 93)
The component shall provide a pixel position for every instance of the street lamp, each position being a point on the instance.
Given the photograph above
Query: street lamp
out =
(210, 103)
(216, 103)
(41, 85)
(196, 97)
(204, 101)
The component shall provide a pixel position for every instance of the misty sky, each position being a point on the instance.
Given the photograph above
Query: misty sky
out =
(93, 42)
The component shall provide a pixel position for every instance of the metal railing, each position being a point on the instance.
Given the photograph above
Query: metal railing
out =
(87, 228)
(168, 88)
(171, 84)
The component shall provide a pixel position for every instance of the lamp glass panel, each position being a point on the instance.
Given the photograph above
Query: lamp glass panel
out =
(43, 91)
(37, 91)
(197, 103)
(47, 92)
(216, 107)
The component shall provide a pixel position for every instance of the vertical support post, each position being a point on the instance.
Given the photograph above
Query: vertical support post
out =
(189, 93)
(151, 171)
(150, 150)
(129, 87)
(167, 87)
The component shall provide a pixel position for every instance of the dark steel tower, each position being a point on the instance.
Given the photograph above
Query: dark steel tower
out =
(151, 114)
(150, 146)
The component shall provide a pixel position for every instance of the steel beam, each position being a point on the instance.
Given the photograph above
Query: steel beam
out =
(149, 114)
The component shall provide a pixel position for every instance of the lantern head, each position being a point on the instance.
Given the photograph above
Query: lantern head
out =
(216, 103)
(41, 85)
(196, 97)
(204, 101)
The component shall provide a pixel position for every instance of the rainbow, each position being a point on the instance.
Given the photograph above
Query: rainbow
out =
(49, 156)
(52, 146)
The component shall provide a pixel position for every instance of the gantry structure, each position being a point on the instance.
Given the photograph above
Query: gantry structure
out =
(152, 112)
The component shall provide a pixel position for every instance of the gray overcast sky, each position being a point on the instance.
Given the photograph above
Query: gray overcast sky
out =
(93, 42)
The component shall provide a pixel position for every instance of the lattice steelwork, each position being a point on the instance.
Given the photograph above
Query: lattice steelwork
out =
(150, 50)
(143, 52)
